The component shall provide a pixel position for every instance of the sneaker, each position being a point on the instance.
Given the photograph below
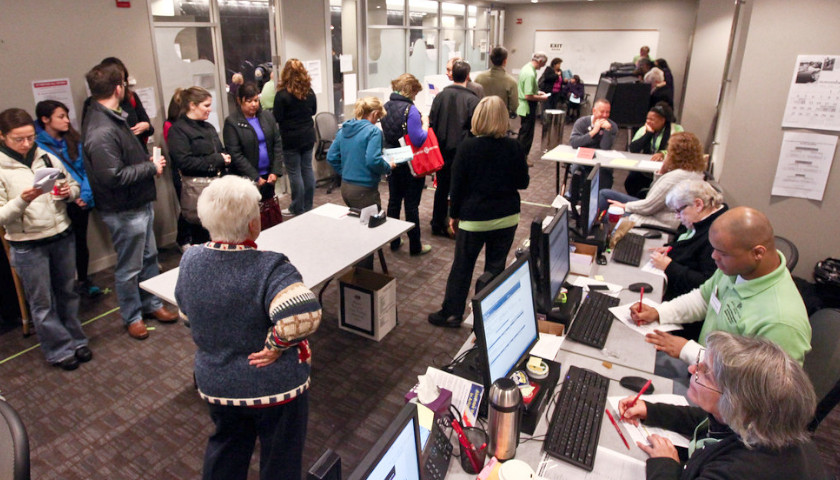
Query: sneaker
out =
(83, 354)
(396, 244)
(88, 289)
(287, 213)
(424, 250)
(439, 319)
(69, 363)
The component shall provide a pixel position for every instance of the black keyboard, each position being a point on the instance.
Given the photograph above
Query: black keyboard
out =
(576, 422)
(593, 321)
(629, 250)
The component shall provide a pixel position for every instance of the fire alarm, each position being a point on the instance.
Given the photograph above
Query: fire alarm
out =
(519, 21)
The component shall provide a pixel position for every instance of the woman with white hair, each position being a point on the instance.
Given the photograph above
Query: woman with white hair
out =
(249, 315)
(754, 403)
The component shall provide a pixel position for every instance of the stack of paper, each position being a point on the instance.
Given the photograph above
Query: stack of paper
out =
(622, 312)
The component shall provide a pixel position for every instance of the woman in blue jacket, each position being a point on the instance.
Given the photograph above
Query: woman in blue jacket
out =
(55, 134)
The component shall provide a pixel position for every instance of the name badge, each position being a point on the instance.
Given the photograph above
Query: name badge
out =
(714, 302)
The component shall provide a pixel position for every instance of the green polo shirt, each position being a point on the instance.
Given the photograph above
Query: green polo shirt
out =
(527, 85)
(769, 307)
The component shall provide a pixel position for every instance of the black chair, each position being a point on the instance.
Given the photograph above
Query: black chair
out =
(326, 128)
(789, 250)
(822, 364)
(14, 444)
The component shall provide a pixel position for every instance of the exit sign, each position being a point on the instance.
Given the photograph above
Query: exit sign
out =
(123, 4)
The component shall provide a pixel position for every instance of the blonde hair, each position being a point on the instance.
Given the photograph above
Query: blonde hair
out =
(364, 107)
(490, 118)
(406, 85)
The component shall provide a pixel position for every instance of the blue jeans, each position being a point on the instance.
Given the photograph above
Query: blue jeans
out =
(134, 242)
(608, 194)
(47, 273)
(301, 178)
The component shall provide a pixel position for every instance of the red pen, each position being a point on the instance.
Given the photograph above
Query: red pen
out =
(641, 298)
(669, 250)
(465, 443)
(617, 429)
(640, 394)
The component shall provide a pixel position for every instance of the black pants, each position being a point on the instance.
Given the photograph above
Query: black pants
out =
(636, 182)
(79, 219)
(467, 247)
(440, 210)
(526, 128)
(281, 430)
(403, 187)
(358, 196)
(183, 235)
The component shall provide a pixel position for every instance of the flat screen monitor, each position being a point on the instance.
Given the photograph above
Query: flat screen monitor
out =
(505, 322)
(589, 203)
(549, 257)
(396, 455)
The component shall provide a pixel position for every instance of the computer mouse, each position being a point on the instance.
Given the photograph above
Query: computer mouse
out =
(652, 234)
(635, 384)
(637, 287)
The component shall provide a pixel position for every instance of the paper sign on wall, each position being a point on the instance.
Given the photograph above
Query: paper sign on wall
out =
(314, 69)
(56, 89)
(147, 98)
(804, 163)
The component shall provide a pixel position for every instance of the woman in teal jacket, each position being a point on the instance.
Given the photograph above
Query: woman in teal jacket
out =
(55, 134)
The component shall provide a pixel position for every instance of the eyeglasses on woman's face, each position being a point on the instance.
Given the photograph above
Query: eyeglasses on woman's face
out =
(702, 370)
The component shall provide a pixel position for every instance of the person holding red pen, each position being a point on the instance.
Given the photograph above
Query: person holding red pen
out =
(753, 407)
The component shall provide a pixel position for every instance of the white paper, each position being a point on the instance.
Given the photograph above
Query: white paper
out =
(466, 395)
(398, 155)
(313, 67)
(622, 312)
(641, 432)
(331, 210)
(345, 63)
(56, 89)
(814, 96)
(649, 268)
(45, 178)
(350, 88)
(147, 98)
(547, 346)
(804, 163)
(609, 465)
(649, 165)
(613, 288)
(367, 212)
(611, 154)
(560, 201)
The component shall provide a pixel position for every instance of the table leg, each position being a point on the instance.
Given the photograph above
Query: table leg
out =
(382, 261)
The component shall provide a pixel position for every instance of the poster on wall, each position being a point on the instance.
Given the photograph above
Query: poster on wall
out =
(56, 89)
(147, 98)
(314, 69)
(814, 96)
(804, 163)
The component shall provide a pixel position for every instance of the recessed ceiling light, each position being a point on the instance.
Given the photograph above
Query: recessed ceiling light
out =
(534, 1)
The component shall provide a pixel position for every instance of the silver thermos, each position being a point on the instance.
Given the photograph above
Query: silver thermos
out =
(505, 406)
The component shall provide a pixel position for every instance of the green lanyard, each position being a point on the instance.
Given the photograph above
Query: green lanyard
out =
(701, 443)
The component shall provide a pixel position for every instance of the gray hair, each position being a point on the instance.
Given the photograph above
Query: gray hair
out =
(539, 57)
(767, 398)
(226, 207)
(686, 191)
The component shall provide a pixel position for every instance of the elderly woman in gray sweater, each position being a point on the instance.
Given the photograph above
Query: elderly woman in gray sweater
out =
(684, 161)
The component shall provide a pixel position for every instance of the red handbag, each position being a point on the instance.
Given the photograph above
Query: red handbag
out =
(427, 159)
(270, 213)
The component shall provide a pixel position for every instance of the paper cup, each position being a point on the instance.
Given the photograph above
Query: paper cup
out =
(615, 213)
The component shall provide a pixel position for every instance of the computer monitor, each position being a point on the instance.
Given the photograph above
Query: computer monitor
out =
(396, 455)
(549, 257)
(505, 321)
(589, 203)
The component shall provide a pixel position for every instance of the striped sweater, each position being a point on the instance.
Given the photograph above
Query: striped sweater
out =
(240, 300)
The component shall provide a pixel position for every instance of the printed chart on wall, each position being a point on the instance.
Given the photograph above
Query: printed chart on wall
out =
(589, 52)
(814, 96)
(804, 163)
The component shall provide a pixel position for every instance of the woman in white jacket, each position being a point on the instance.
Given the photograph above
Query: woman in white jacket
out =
(42, 247)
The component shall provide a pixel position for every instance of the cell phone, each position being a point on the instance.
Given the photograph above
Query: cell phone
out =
(598, 287)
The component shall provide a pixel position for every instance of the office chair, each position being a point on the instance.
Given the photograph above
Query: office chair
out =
(789, 250)
(822, 364)
(326, 128)
(14, 444)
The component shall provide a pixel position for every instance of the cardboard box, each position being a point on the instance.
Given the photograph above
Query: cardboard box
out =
(368, 303)
(582, 259)
(553, 328)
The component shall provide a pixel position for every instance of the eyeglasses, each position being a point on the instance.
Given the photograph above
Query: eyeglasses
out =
(678, 211)
(701, 368)
(22, 140)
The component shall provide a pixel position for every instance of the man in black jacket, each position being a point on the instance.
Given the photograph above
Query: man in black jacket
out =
(450, 117)
(123, 182)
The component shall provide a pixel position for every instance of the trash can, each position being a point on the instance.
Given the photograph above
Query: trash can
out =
(552, 131)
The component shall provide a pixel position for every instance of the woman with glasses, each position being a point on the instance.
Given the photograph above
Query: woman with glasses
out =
(684, 161)
(41, 240)
(753, 405)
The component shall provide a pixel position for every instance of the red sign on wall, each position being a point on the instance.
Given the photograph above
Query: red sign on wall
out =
(123, 4)
(519, 21)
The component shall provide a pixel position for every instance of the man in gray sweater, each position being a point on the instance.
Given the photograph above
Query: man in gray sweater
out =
(595, 131)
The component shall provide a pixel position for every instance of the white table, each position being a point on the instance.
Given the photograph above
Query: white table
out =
(565, 154)
(319, 246)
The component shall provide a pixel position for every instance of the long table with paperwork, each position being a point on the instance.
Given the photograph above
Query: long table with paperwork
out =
(564, 154)
(320, 244)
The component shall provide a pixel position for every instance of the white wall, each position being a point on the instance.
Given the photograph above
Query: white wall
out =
(304, 37)
(674, 19)
(778, 33)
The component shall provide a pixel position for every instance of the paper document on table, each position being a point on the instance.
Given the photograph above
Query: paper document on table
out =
(560, 153)
(547, 346)
(45, 178)
(331, 210)
(612, 288)
(609, 465)
(622, 162)
(466, 395)
(610, 154)
(622, 312)
(649, 268)
(649, 165)
(641, 432)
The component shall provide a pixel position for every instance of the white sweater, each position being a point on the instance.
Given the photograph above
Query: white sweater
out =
(652, 209)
